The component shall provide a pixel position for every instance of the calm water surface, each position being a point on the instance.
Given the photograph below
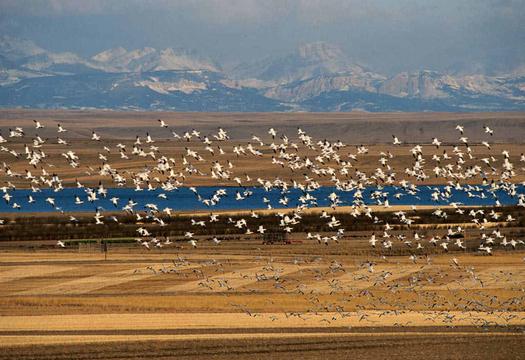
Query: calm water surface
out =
(183, 199)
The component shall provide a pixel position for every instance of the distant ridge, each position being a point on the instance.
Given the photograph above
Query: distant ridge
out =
(314, 77)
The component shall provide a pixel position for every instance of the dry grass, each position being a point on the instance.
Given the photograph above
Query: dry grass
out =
(189, 321)
(118, 127)
(62, 299)
(226, 278)
(252, 166)
(355, 127)
(431, 345)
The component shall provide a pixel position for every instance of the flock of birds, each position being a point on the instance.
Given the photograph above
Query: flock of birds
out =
(319, 162)
(332, 291)
(312, 164)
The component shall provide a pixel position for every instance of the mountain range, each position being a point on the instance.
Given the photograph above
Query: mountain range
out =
(314, 77)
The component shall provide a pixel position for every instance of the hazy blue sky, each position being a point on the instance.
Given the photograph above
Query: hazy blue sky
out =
(387, 35)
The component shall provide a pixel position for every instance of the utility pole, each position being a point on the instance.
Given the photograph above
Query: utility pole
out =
(105, 249)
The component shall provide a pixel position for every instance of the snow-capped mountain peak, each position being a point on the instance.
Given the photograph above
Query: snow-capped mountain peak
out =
(109, 55)
(320, 52)
(305, 62)
(149, 59)
(316, 76)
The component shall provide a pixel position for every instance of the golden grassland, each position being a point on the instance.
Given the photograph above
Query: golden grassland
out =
(374, 130)
(304, 298)
(251, 166)
(292, 296)
(354, 127)
(212, 287)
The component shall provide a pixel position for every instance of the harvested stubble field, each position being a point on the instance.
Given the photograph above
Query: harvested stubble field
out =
(243, 299)
(373, 130)
(354, 128)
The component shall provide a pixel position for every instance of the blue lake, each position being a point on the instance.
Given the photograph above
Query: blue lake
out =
(183, 199)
